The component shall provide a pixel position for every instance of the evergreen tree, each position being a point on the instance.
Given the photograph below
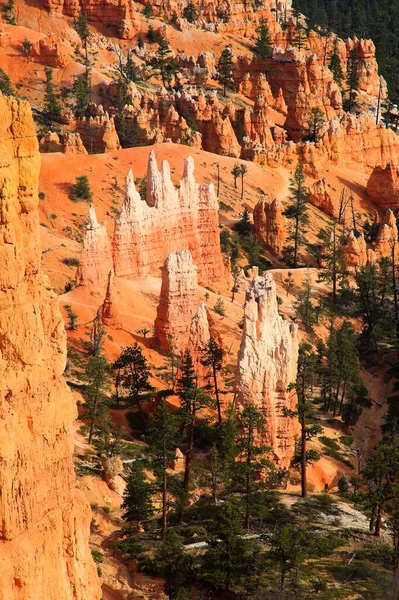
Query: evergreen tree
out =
(243, 227)
(290, 547)
(177, 569)
(213, 358)
(137, 498)
(52, 106)
(305, 310)
(252, 461)
(380, 476)
(350, 103)
(225, 69)
(236, 172)
(190, 12)
(72, 317)
(164, 62)
(81, 190)
(134, 374)
(97, 333)
(97, 385)
(304, 409)
(243, 172)
(297, 212)
(316, 121)
(263, 48)
(332, 260)
(162, 442)
(299, 36)
(335, 65)
(5, 84)
(82, 28)
(81, 92)
(227, 559)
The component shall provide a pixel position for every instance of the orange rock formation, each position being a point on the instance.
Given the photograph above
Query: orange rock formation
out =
(270, 224)
(108, 311)
(44, 529)
(96, 258)
(267, 364)
(146, 232)
(383, 186)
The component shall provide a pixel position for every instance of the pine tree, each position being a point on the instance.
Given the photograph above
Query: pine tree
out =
(252, 454)
(97, 333)
(82, 28)
(134, 374)
(213, 358)
(162, 442)
(332, 260)
(164, 62)
(5, 84)
(225, 69)
(335, 66)
(137, 498)
(81, 92)
(305, 310)
(304, 409)
(243, 172)
(297, 212)
(81, 190)
(52, 106)
(316, 121)
(190, 12)
(72, 317)
(236, 172)
(176, 567)
(352, 82)
(263, 48)
(97, 385)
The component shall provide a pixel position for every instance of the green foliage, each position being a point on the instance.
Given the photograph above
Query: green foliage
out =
(316, 121)
(9, 12)
(164, 62)
(52, 106)
(335, 66)
(97, 380)
(224, 68)
(98, 556)
(175, 567)
(148, 11)
(305, 309)
(71, 261)
(5, 84)
(129, 546)
(134, 375)
(81, 93)
(81, 191)
(219, 307)
(137, 499)
(297, 213)
(72, 317)
(263, 48)
(190, 12)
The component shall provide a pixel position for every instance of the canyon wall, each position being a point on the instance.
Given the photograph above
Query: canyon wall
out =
(44, 523)
(267, 364)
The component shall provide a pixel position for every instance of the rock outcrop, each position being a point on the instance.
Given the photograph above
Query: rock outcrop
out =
(170, 219)
(387, 237)
(178, 300)
(320, 197)
(383, 186)
(267, 364)
(108, 311)
(355, 251)
(44, 523)
(96, 257)
(270, 224)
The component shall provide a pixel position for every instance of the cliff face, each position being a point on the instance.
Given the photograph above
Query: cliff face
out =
(44, 525)
(267, 364)
(170, 219)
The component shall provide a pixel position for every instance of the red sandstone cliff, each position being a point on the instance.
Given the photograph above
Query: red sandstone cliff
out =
(44, 523)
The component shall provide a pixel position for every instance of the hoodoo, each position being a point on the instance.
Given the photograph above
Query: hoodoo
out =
(267, 364)
(44, 523)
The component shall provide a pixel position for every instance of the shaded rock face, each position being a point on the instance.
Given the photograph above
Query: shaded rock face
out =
(320, 197)
(270, 224)
(355, 251)
(96, 258)
(383, 186)
(267, 364)
(44, 524)
(170, 219)
(387, 237)
(178, 301)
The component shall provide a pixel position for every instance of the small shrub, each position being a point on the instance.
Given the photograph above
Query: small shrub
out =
(219, 307)
(52, 217)
(346, 440)
(42, 195)
(98, 556)
(72, 317)
(81, 190)
(106, 509)
(71, 261)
